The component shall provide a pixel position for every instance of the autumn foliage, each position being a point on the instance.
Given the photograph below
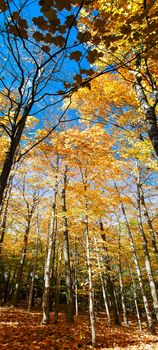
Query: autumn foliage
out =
(78, 182)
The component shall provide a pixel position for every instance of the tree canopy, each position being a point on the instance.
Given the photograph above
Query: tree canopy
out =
(79, 147)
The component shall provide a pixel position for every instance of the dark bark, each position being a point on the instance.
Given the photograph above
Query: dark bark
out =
(17, 130)
(4, 211)
(57, 288)
(149, 109)
(23, 254)
(34, 268)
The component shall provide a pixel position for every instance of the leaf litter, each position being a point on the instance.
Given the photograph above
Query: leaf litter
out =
(23, 331)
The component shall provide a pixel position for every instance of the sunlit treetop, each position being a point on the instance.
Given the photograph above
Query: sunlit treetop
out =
(127, 26)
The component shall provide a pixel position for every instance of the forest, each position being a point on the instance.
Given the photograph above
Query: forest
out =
(79, 171)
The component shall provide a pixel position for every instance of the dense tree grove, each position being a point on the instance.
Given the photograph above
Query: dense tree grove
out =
(79, 146)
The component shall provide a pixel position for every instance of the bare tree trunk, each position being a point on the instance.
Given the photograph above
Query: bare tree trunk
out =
(57, 288)
(76, 291)
(138, 270)
(23, 253)
(52, 274)
(48, 265)
(3, 224)
(102, 285)
(69, 293)
(91, 303)
(109, 278)
(75, 279)
(2, 281)
(17, 130)
(4, 211)
(151, 229)
(125, 317)
(146, 254)
(34, 268)
(149, 109)
(135, 298)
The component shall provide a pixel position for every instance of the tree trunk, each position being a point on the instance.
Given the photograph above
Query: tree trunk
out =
(57, 288)
(17, 130)
(148, 109)
(52, 274)
(48, 265)
(146, 254)
(76, 291)
(91, 303)
(109, 278)
(135, 298)
(2, 281)
(138, 270)
(34, 268)
(102, 285)
(69, 293)
(125, 317)
(4, 211)
(22, 260)
(75, 281)
(151, 229)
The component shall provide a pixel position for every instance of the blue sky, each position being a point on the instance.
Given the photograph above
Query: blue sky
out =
(12, 74)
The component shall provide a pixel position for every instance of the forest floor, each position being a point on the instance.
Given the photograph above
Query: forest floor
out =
(23, 331)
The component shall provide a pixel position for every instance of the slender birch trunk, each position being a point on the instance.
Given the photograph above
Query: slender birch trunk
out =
(102, 285)
(125, 317)
(146, 254)
(138, 270)
(69, 293)
(135, 298)
(109, 277)
(86, 231)
(91, 302)
(48, 265)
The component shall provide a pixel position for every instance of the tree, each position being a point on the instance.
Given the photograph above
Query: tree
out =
(136, 261)
(129, 44)
(30, 209)
(35, 50)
